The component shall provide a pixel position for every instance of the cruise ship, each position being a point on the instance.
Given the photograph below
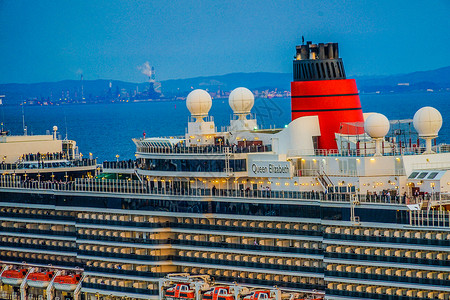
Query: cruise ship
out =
(338, 204)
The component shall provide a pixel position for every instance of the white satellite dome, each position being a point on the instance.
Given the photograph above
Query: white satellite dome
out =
(199, 103)
(241, 101)
(376, 125)
(427, 121)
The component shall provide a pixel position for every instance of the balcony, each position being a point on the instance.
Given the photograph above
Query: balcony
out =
(207, 227)
(388, 278)
(392, 259)
(121, 289)
(202, 244)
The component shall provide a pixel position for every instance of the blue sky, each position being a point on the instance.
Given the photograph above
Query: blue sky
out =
(56, 40)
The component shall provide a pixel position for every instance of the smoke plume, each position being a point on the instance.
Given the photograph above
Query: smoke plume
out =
(146, 69)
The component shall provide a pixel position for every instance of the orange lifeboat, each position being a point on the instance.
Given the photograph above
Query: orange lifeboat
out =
(14, 277)
(219, 293)
(66, 283)
(39, 280)
(180, 291)
(258, 295)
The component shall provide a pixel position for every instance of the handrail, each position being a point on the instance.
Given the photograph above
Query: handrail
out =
(211, 149)
(48, 164)
(117, 186)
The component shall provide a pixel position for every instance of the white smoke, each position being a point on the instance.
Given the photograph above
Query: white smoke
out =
(146, 69)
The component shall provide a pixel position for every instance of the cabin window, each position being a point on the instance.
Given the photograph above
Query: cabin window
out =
(432, 175)
(413, 175)
(422, 175)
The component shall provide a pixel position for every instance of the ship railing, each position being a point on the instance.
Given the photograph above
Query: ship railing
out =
(367, 152)
(313, 172)
(30, 157)
(386, 198)
(85, 162)
(211, 149)
(116, 186)
(130, 164)
(429, 218)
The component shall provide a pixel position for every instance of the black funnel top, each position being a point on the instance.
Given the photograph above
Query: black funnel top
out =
(318, 62)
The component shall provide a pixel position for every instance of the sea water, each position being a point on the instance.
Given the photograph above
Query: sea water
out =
(106, 130)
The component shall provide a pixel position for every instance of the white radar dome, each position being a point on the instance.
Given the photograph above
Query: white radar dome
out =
(241, 101)
(427, 121)
(199, 103)
(376, 125)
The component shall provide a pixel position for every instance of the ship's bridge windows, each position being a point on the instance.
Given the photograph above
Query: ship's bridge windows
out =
(413, 175)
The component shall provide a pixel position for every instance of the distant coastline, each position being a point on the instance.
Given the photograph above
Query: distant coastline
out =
(263, 85)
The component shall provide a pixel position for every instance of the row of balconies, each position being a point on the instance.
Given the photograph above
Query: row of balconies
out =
(382, 292)
(12, 212)
(308, 247)
(200, 223)
(39, 258)
(410, 256)
(52, 229)
(94, 233)
(123, 286)
(250, 223)
(44, 245)
(295, 262)
(389, 274)
(389, 235)
(125, 250)
(259, 278)
(130, 267)
(122, 283)
(283, 263)
(243, 262)
(123, 218)
(122, 271)
(274, 242)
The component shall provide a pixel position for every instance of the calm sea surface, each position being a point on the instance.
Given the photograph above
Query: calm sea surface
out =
(107, 129)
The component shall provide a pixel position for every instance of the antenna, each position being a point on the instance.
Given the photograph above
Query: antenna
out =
(3, 110)
(23, 120)
(82, 90)
(65, 122)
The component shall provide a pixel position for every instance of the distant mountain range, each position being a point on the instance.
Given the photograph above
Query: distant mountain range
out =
(436, 80)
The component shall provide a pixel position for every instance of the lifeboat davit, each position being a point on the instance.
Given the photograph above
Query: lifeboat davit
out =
(39, 280)
(14, 277)
(66, 283)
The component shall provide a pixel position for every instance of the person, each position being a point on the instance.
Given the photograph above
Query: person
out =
(416, 195)
(214, 190)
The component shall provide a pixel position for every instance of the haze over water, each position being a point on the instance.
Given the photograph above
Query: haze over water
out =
(107, 129)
